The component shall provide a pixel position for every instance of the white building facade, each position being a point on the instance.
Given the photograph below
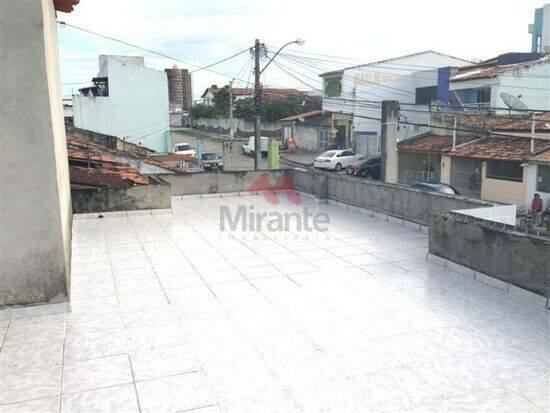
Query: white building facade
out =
(418, 78)
(522, 75)
(128, 100)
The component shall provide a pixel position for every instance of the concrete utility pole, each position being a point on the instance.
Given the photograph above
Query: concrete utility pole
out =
(533, 129)
(258, 94)
(257, 106)
(453, 148)
(231, 109)
(390, 113)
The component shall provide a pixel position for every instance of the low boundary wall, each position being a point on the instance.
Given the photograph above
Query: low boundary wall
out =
(396, 200)
(226, 182)
(139, 197)
(512, 257)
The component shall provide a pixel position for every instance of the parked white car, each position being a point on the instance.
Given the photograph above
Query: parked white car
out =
(335, 160)
(248, 147)
(184, 149)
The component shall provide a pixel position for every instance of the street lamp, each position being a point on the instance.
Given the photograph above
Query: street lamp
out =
(258, 96)
(299, 42)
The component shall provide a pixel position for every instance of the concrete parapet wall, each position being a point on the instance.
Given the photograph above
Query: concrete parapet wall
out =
(231, 181)
(391, 199)
(242, 127)
(140, 197)
(515, 258)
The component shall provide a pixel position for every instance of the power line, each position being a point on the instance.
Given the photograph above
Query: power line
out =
(399, 66)
(220, 61)
(417, 76)
(153, 51)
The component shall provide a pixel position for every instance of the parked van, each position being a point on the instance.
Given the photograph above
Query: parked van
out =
(248, 148)
(184, 149)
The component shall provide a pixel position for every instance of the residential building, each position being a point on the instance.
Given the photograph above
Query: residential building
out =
(36, 216)
(540, 30)
(418, 78)
(268, 94)
(503, 169)
(538, 164)
(127, 100)
(310, 130)
(538, 176)
(525, 76)
(422, 159)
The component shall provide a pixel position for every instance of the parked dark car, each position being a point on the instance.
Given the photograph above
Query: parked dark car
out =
(435, 187)
(365, 167)
(211, 162)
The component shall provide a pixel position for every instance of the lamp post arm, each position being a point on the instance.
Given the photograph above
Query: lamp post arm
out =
(275, 55)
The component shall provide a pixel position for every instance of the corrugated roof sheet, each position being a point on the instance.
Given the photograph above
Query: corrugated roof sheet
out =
(542, 157)
(483, 71)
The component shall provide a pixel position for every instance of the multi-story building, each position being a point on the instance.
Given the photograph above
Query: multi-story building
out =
(127, 100)
(354, 94)
(180, 90)
(489, 84)
(540, 30)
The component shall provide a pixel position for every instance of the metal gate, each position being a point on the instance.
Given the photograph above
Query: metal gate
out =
(466, 176)
(324, 139)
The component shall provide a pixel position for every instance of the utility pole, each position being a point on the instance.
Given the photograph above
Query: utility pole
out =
(257, 105)
(231, 109)
(389, 156)
(533, 129)
(453, 148)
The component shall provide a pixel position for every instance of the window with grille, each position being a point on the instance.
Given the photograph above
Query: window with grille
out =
(333, 87)
(543, 178)
(508, 171)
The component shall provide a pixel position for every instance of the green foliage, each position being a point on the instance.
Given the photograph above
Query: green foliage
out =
(271, 110)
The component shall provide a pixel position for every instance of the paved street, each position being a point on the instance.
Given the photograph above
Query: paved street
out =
(237, 161)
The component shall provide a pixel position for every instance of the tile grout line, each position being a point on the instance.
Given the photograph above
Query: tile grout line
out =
(190, 263)
(121, 321)
(62, 362)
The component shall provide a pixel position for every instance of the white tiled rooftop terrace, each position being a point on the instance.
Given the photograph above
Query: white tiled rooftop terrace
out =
(170, 315)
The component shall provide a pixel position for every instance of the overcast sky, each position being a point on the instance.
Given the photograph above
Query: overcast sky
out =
(204, 31)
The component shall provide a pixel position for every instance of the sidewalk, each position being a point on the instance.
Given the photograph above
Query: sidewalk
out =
(300, 157)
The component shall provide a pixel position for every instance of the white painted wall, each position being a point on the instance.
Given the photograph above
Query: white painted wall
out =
(531, 82)
(505, 214)
(393, 80)
(531, 175)
(35, 213)
(137, 107)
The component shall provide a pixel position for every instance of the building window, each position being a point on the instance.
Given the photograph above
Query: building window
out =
(333, 87)
(426, 95)
(508, 171)
(543, 178)
(484, 95)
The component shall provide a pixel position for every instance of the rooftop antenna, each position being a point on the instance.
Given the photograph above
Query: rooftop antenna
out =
(513, 102)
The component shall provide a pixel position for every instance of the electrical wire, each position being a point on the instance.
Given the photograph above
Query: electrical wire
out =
(61, 23)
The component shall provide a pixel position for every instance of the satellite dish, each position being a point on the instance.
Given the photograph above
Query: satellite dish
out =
(513, 102)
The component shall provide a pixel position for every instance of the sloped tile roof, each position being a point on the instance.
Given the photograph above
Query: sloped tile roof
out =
(500, 148)
(435, 144)
(523, 124)
(116, 176)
